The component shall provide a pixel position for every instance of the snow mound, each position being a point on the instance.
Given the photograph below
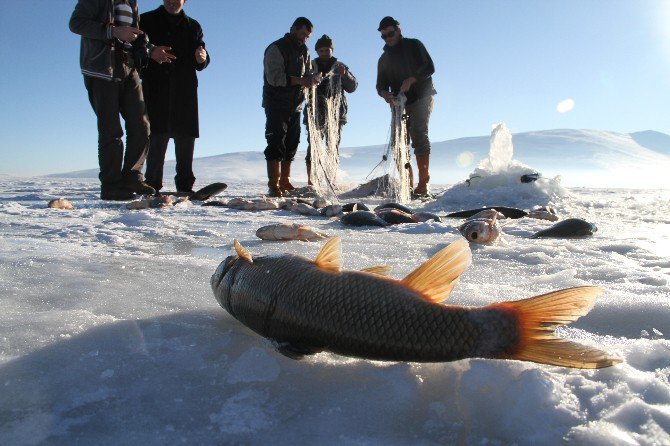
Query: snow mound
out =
(499, 180)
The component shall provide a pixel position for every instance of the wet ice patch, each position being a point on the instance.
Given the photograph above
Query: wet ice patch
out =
(244, 413)
(254, 365)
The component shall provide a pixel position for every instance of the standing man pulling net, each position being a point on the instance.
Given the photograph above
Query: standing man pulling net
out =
(286, 73)
(330, 103)
(406, 67)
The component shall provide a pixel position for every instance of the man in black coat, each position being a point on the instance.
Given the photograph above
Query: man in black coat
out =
(406, 67)
(171, 91)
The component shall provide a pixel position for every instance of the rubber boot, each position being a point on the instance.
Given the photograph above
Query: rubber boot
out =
(310, 182)
(274, 170)
(285, 178)
(423, 163)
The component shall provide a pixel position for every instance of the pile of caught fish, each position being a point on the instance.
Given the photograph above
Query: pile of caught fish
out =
(481, 226)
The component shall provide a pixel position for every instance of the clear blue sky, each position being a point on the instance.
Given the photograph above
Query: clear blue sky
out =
(511, 61)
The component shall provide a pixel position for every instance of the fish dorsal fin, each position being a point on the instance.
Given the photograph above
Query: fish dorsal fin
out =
(243, 253)
(381, 270)
(438, 276)
(330, 256)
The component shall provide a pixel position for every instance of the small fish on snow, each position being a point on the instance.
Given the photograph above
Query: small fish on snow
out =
(484, 231)
(289, 231)
(60, 203)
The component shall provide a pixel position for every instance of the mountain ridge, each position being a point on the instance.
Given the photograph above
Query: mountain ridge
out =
(582, 157)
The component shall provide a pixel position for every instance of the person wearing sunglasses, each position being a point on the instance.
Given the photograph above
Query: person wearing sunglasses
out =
(406, 67)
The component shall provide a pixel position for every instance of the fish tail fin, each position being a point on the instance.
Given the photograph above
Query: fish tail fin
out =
(538, 317)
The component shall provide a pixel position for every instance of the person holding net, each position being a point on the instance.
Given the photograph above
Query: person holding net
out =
(326, 112)
(405, 68)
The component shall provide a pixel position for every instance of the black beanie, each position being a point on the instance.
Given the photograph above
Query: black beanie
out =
(324, 41)
(387, 21)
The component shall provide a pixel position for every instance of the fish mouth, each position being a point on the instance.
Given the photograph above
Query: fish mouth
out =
(227, 265)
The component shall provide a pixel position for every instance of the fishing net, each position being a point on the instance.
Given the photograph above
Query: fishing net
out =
(323, 124)
(395, 164)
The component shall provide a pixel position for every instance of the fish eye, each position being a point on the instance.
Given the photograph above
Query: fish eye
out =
(473, 236)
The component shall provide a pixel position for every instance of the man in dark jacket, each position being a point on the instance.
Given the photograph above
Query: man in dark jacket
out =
(286, 72)
(171, 91)
(336, 77)
(111, 47)
(406, 67)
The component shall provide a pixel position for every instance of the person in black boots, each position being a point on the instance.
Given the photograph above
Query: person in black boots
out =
(286, 72)
(337, 78)
(171, 91)
(406, 67)
(112, 45)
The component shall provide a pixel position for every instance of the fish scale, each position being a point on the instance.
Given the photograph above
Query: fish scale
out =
(350, 313)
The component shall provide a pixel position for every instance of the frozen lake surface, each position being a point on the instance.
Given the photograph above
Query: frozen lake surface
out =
(110, 333)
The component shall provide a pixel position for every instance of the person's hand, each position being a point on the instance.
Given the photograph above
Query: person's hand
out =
(341, 69)
(315, 79)
(388, 97)
(406, 84)
(126, 33)
(200, 54)
(309, 81)
(162, 54)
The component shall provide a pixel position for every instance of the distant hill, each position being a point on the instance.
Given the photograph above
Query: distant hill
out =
(581, 157)
(650, 139)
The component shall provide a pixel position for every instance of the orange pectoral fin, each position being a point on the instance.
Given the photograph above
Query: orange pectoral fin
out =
(330, 256)
(437, 277)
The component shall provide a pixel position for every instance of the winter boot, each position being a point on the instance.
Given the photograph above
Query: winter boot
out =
(285, 178)
(423, 163)
(310, 181)
(274, 167)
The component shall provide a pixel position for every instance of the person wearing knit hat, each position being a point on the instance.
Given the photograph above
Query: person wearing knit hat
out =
(406, 67)
(324, 42)
(337, 79)
(286, 76)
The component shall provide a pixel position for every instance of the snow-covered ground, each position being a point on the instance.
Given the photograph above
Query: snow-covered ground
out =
(110, 333)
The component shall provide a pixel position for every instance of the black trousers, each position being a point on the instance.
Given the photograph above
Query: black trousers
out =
(184, 147)
(110, 99)
(282, 132)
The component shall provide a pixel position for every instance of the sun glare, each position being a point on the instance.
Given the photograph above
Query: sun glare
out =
(465, 159)
(565, 105)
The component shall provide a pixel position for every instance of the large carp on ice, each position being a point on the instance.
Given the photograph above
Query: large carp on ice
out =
(306, 306)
